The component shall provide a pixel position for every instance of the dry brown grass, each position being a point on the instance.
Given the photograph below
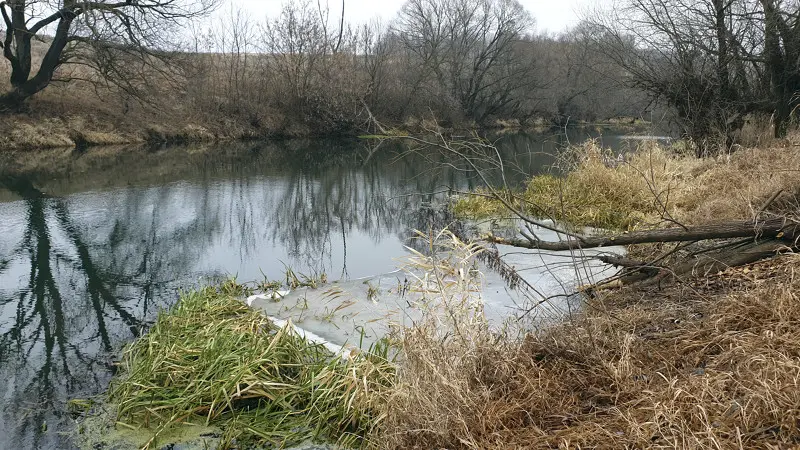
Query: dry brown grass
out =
(598, 190)
(656, 186)
(440, 353)
(736, 187)
(25, 132)
(80, 113)
(85, 125)
(710, 364)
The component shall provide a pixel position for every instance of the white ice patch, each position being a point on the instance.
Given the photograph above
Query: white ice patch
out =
(275, 295)
(338, 350)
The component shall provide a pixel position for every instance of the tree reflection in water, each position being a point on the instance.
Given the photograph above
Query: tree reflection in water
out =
(93, 247)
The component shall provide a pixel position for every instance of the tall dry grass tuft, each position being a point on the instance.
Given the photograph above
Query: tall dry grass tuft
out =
(606, 191)
(441, 396)
(709, 365)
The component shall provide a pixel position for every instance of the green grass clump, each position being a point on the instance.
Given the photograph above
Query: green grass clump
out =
(599, 191)
(479, 206)
(215, 360)
(581, 200)
(572, 200)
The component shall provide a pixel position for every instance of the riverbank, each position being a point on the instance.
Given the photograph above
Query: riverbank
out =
(29, 132)
(78, 123)
(707, 362)
(710, 362)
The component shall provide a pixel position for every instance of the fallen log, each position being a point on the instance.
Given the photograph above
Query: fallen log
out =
(649, 275)
(777, 228)
(710, 264)
(764, 239)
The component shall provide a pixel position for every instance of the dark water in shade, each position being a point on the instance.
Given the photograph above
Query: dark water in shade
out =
(94, 244)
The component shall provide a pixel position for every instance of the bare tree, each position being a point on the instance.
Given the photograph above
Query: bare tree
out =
(108, 27)
(713, 61)
(376, 49)
(295, 42)
(690, 56)
(577, 82)
(468, 47)
(782, 56)
(315, 67)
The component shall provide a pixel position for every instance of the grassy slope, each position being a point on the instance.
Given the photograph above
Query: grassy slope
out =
(72, 116)
(79, 113)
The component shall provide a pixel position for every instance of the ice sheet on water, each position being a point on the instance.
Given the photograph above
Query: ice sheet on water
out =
(357, 313)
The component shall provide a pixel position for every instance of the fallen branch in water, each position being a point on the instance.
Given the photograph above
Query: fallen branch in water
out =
(765, 238)
(777, 228)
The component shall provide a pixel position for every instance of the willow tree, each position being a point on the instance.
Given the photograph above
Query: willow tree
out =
(103, 34)
(469, 48)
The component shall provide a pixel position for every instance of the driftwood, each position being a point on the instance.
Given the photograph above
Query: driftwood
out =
(765, 238)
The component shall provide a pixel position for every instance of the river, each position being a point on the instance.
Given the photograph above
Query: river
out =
(93, 244)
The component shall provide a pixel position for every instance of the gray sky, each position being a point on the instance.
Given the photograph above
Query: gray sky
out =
(550, 15)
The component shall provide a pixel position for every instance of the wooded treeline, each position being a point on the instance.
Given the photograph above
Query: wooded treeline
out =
(713, 65)
(460, 61)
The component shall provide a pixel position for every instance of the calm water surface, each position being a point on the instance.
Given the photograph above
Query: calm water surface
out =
(94, 244)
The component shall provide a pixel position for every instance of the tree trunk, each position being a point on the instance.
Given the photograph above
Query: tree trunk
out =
(643, 274)
(23, 85)
(769, 238)
(775, 32)
(778, 228)
(710, 264)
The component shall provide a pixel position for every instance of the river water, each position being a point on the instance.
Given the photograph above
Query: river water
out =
(93, 244)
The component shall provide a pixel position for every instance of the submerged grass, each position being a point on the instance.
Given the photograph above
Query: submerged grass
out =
(213, 359)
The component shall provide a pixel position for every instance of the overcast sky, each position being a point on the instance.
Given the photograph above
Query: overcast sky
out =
(550, 15)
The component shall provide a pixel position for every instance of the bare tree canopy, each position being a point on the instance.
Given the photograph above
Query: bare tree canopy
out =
(712, 61)
(468, 47)
(129, 27)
